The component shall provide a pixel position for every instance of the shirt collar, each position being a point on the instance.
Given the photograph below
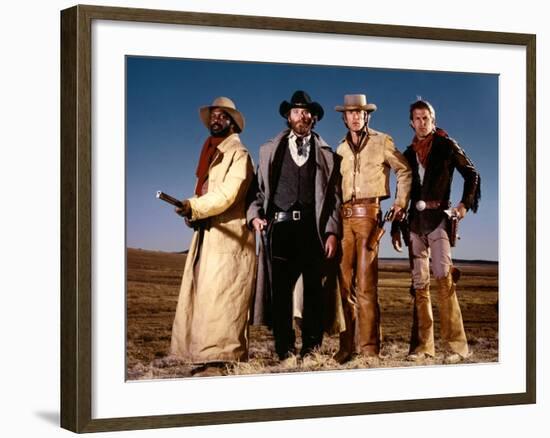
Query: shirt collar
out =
(292, 136)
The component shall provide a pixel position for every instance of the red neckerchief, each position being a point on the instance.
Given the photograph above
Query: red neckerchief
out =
(423, 147)
(207, 153)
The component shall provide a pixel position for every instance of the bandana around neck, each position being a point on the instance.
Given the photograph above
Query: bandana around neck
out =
(422, 147)
(363, 137)
(207, 153)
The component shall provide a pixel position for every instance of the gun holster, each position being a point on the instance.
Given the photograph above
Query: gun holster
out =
(376, 234)
(452, 229)
(374, 237)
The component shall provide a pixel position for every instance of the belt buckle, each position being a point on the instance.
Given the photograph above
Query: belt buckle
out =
(420, 205)
(296, 215)
(347, 212)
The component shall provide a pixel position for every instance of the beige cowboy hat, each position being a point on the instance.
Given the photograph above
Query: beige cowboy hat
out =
(356, 102)
(226, 104)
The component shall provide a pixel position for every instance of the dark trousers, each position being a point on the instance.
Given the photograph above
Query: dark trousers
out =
(296, 251)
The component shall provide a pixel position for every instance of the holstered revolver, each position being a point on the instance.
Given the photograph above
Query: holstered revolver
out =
(378, 232)
(452, 227)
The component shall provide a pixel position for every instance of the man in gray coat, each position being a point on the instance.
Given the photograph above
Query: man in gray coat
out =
(296, 203)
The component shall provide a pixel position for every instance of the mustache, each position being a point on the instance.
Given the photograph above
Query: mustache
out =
(218, 130)
(303, 123)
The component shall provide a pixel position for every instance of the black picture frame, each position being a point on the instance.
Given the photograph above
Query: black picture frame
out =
(76, 217)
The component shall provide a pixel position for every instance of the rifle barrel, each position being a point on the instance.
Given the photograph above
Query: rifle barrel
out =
(167, 198)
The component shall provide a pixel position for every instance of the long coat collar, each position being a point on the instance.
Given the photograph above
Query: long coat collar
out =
(229, 143)
(226, 145)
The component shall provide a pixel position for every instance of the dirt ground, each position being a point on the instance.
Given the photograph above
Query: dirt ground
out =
(153, 281)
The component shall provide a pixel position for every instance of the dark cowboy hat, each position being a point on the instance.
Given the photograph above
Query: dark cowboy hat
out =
(226, 104)
(300, 99)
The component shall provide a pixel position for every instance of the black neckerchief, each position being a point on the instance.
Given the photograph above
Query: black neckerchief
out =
(363, 139)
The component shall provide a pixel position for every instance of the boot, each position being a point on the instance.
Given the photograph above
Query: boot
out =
(453, 335)
(347, 337)
(422, 333)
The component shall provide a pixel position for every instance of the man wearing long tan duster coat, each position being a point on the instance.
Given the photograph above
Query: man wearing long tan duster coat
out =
(210, 326)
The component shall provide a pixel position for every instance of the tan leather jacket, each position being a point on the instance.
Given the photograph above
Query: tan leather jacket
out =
(367, 174)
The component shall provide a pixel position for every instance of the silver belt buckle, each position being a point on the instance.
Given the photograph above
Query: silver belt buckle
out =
(420, 205)
(296, 215)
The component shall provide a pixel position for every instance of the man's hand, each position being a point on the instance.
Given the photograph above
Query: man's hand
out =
(398, 213)
(460, 211)
(330, 246)
(188, 223)
(396, 241)
(259, 224)
(185, 210)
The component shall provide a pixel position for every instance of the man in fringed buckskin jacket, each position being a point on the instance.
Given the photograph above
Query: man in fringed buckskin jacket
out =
(433, 157)
(367, 157)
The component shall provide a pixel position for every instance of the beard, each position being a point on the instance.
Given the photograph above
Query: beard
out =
(301, 128)
(218, 130)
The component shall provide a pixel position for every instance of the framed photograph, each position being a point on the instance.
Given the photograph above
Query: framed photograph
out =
(134, 87)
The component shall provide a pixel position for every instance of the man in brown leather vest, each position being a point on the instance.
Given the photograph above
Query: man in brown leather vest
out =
(367, 156)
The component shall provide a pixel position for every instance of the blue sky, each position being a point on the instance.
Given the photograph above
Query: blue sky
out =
(164, 134)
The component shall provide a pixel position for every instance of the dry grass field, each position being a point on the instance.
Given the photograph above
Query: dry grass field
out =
(153, 280)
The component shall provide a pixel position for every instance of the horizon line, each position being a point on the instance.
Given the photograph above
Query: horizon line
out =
(379, 258)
